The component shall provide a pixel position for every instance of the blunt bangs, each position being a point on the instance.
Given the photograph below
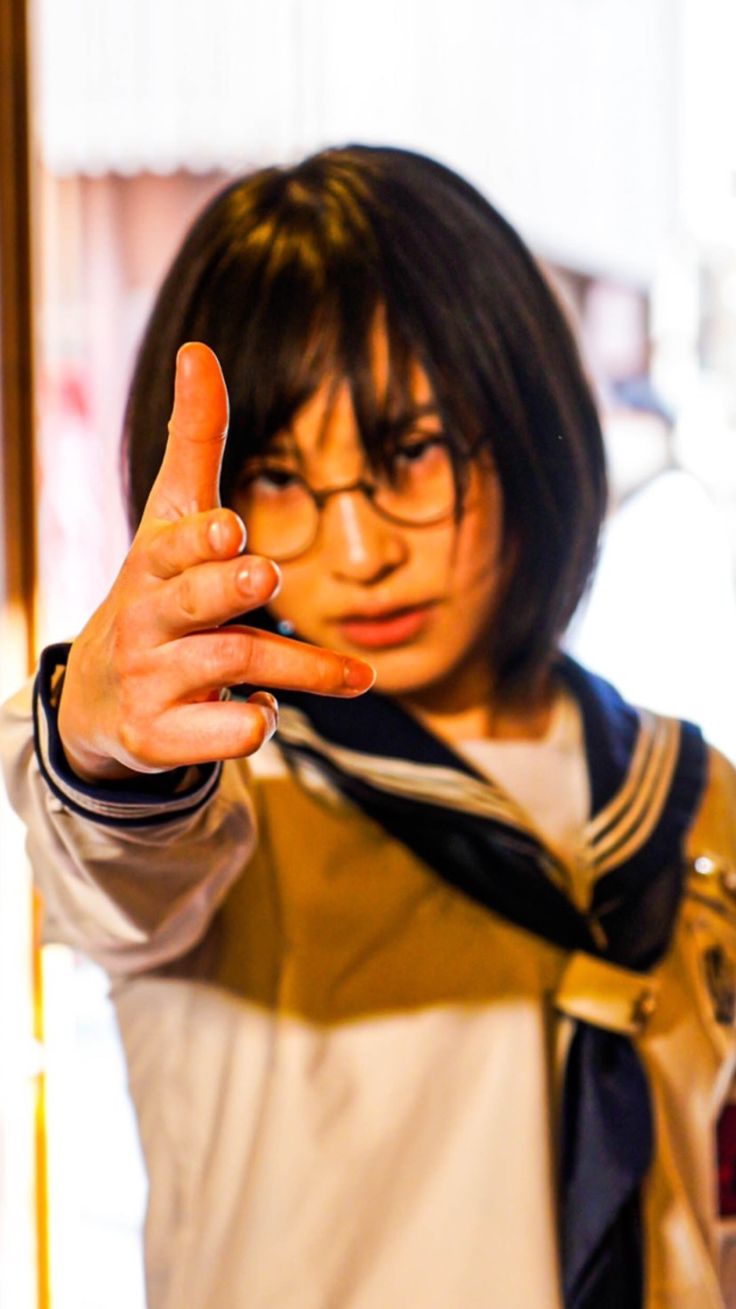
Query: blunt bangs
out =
(286, 274)
(284, 278)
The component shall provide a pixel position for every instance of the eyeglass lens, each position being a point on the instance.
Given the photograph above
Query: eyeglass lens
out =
(282, 515)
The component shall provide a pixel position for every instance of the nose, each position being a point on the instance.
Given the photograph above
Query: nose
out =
(359, 544)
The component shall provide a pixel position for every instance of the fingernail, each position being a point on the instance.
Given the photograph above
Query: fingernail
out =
(216, 535)
(243, 536)
(358, 676)
(271, 703)
(259, 578)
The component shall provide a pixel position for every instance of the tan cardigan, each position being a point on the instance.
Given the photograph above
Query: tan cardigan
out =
(346, 1073)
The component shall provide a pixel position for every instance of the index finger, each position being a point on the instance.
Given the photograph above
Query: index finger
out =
(189, 477)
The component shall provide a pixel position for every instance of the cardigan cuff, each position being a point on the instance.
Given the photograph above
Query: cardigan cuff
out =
(138, 801)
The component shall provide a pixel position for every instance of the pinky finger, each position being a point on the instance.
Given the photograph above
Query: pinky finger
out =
(216, 729)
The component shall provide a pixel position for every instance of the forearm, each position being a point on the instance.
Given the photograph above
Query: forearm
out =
(131, 878)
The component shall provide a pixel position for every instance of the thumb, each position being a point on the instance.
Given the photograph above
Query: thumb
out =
(189, 477)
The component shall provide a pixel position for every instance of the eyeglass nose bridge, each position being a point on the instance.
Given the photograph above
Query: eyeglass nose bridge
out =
(321, 497)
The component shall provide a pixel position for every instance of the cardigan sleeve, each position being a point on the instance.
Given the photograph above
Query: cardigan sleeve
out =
(130, 874)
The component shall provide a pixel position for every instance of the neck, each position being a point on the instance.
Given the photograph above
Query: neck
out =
(467, 708)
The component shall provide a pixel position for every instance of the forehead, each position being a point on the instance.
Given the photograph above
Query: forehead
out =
(333, 417)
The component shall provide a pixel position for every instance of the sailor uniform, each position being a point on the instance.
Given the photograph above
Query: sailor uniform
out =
(348, 1069)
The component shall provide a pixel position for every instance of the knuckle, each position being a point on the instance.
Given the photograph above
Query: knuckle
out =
(212, 668)
(212, 665)
(138, 738)
(125, 655)
(330, 670)
(145, 552)
(165, 548)
(188, 602)
(133, 617)
(128, 710)
(238, 648)
(246, 650)
(228, 657)
(120, 652)
(133, 740)
(170, 547)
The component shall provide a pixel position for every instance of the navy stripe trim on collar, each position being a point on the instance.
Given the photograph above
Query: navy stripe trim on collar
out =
(610, 729)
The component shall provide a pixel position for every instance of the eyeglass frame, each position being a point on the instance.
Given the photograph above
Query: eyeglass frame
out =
(369, 490)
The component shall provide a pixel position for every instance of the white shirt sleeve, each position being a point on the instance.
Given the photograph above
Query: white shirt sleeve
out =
(129, 878)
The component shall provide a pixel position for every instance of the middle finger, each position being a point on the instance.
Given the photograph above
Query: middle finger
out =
(207, 661)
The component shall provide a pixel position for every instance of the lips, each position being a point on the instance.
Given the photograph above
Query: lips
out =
(385, 628)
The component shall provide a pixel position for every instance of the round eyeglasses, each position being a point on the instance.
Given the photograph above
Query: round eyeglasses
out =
(282, 511)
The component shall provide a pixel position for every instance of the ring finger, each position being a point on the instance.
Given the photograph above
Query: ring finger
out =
(209, 594)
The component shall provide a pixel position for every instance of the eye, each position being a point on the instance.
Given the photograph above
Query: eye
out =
(419, 456)
(270, 481)
(277, 478)
(418, 451)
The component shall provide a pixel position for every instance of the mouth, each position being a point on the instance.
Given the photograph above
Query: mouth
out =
(385, 628)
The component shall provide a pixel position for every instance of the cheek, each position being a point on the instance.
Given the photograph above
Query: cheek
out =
(476, 565)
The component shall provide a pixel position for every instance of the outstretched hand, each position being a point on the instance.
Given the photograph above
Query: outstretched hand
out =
(144, 678)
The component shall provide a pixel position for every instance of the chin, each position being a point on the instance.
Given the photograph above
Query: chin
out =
(407, 671)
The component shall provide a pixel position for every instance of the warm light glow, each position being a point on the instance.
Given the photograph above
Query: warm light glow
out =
(19, 1068)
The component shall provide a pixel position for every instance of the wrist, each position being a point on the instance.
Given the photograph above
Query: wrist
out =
(95, 768)
(87, 764)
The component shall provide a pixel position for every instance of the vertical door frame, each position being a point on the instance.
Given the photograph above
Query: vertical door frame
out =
(23, 1191)
(17, 515)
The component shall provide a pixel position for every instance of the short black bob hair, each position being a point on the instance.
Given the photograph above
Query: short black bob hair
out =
(283, 275)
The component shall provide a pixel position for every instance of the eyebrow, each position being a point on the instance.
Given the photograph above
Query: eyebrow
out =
(410, 414)
(407, 417)
(282, 443)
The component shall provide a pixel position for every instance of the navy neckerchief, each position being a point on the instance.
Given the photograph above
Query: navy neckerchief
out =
(645, 787)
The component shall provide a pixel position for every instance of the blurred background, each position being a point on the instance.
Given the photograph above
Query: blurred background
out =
(605, 130)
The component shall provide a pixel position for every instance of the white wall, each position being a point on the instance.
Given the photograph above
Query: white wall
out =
(563, 111)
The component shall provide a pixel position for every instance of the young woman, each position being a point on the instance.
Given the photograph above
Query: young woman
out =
(428, 1001)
